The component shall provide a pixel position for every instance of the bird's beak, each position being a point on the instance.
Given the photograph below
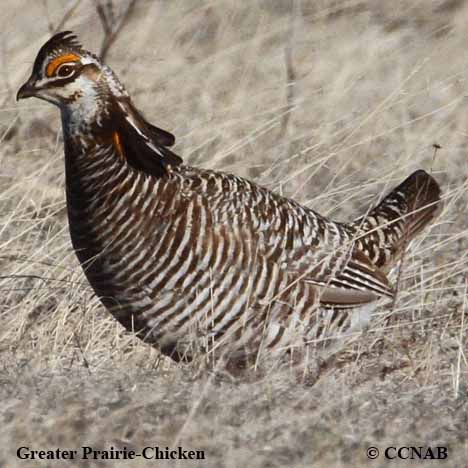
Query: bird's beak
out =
(27, 90)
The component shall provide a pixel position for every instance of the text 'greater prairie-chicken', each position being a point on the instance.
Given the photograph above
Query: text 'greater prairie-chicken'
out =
(197, 260)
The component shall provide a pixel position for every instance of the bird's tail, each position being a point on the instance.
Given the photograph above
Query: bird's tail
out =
(386, 230)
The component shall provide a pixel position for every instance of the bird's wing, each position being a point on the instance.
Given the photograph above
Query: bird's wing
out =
(303, 244)
(144, 145)
(344, 277)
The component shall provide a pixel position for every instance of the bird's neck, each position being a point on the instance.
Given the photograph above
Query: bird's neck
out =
(90, 164)
(87, 135)
(91, 156)
(86, 115)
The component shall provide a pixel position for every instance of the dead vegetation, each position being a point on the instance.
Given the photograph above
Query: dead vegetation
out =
(329, 102)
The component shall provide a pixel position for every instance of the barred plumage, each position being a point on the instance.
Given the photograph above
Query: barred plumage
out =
(193, 259)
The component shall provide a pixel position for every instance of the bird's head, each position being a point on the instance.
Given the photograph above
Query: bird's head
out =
(70, 77)
(94, 102)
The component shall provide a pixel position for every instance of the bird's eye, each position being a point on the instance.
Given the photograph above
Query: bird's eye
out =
(64, 70)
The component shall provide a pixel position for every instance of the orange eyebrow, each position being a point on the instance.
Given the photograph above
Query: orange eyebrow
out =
(54, 64)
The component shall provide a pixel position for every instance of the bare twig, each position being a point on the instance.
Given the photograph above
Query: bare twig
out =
(391, 316)
(85, 362)
(111, 24)
(460, 345)
(46, 12)
(42, 278)
(66, 16)
(291, 75)
(436, 147)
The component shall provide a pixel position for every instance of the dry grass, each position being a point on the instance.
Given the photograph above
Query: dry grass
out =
(329, 102)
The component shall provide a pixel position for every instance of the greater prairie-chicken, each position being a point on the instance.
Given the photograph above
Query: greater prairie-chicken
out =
(192, 259)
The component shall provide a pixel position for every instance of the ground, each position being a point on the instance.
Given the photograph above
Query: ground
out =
(331, 103)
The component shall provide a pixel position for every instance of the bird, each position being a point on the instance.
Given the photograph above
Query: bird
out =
(198, 262)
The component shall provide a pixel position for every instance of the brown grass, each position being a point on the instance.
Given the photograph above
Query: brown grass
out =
(368, 88)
